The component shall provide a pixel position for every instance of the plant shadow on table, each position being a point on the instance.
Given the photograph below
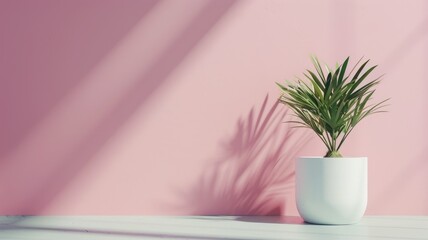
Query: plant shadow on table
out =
(254, 172)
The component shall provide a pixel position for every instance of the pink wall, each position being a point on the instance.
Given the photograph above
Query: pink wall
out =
(167, 107)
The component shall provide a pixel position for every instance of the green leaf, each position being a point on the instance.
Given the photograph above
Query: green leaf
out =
(315, 78)
(318, 68)
(332, 105)
(359, 71)
(342, 72)
(281, 86)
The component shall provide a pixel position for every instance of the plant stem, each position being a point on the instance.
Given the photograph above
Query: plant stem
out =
(324, 140)
(330, 144)
(344, 137)
(333, 154)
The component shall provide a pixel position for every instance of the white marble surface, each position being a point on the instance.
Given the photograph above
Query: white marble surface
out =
(206, 228)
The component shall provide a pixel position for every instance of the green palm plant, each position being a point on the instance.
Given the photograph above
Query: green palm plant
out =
(332, 103)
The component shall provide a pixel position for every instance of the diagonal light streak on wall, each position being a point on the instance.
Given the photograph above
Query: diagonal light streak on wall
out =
(82, 110)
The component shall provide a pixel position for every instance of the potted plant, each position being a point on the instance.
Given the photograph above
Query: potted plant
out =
(332, 189)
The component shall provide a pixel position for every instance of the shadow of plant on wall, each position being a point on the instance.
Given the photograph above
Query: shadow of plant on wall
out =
(254, 171)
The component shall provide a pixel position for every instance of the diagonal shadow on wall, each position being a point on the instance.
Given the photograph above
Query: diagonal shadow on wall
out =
(254, 173)
(55, 179)
(47, 48)
(133, 100)
(413, 39)
(417, 164)
(410, 171)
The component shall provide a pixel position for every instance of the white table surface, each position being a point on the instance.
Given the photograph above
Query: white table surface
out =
(206, 228)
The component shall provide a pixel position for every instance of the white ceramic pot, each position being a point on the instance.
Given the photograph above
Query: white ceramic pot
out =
(331, 190)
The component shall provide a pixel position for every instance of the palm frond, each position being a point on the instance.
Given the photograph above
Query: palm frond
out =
(332, 103)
